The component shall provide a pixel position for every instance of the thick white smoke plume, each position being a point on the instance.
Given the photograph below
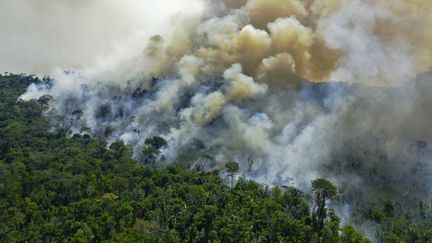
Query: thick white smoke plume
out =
(232, 81)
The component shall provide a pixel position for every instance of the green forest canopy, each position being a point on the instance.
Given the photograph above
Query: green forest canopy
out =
(54, 188)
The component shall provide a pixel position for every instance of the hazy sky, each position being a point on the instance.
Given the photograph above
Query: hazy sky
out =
(37, 36)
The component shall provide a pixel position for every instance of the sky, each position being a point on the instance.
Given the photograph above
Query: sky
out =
(37, 36)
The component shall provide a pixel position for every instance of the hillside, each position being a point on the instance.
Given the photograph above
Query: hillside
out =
(57, 189)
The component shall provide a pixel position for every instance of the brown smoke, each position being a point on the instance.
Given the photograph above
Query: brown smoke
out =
(277, 40)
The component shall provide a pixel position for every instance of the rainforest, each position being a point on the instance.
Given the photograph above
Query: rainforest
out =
(216, 121)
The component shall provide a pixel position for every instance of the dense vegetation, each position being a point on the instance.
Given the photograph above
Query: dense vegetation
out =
(54, 188)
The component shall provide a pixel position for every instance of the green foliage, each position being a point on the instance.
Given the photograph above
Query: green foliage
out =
(324, 190)
(232, 168)
(156, 142)
(395, 224)
(54, 189)
(351, 235)
(151, 151)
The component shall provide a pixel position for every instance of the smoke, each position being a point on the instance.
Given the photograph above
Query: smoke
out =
(254, 81)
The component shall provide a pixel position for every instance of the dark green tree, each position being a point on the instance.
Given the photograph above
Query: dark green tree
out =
(324, 191)
(151, 151)
(155, 142)
(232, 168)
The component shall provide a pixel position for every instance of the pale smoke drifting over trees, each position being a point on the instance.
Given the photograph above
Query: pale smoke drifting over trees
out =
(231, 81)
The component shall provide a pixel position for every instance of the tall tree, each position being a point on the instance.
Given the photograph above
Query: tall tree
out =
(324, 191)
(232, 168)
(151, 151)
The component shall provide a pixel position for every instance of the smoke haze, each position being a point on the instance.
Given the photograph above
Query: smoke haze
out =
(38, 36)
(290, 89)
